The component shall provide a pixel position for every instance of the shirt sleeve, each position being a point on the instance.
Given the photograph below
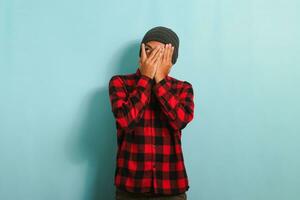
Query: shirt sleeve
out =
(179, 109)
(128, 107)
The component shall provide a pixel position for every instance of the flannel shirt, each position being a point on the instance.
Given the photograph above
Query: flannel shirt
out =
(149, 118)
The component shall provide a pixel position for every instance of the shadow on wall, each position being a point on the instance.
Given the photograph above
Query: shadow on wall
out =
(93, 140)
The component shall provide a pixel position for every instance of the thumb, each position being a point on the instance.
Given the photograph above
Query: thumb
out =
(140, 62)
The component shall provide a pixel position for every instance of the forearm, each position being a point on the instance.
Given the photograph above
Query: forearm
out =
(179, 109)
(128, 108)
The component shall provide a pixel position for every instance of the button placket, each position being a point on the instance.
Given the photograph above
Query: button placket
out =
(153, 145)
(154, 150)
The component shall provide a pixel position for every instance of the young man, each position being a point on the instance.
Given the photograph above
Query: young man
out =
(150, 109)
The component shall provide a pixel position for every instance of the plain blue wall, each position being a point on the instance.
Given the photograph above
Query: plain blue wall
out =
(57, 134)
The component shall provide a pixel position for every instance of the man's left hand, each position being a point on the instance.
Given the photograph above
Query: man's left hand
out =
(166, 63)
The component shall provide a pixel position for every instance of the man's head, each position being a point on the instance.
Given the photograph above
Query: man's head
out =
(158, 36)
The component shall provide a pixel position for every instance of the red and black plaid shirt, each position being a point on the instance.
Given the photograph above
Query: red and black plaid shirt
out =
(149, 118)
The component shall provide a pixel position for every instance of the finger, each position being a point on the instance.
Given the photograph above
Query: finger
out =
(164, 56)
(171, 53)
(168, 53)
(159, 57)
(144, 55)
(154, 54)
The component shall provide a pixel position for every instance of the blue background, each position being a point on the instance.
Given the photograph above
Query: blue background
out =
(57, 133)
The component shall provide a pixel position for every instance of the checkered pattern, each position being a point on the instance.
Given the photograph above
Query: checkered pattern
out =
(149, 118)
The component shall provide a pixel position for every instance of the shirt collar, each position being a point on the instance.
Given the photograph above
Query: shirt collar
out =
(138, 73)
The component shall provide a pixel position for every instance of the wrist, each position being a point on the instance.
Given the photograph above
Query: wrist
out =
(159, 78)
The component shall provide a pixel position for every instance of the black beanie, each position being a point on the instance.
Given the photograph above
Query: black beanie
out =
(164, 35)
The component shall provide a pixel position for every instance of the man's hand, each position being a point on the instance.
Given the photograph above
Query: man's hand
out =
(148, 65)
(166, 63)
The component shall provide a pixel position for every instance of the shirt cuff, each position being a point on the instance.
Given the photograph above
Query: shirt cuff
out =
(161, 87)
(144, 82)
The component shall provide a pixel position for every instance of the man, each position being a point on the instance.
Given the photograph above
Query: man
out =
(150, 109)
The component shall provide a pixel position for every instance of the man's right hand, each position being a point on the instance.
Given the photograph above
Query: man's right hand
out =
(148, 65)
